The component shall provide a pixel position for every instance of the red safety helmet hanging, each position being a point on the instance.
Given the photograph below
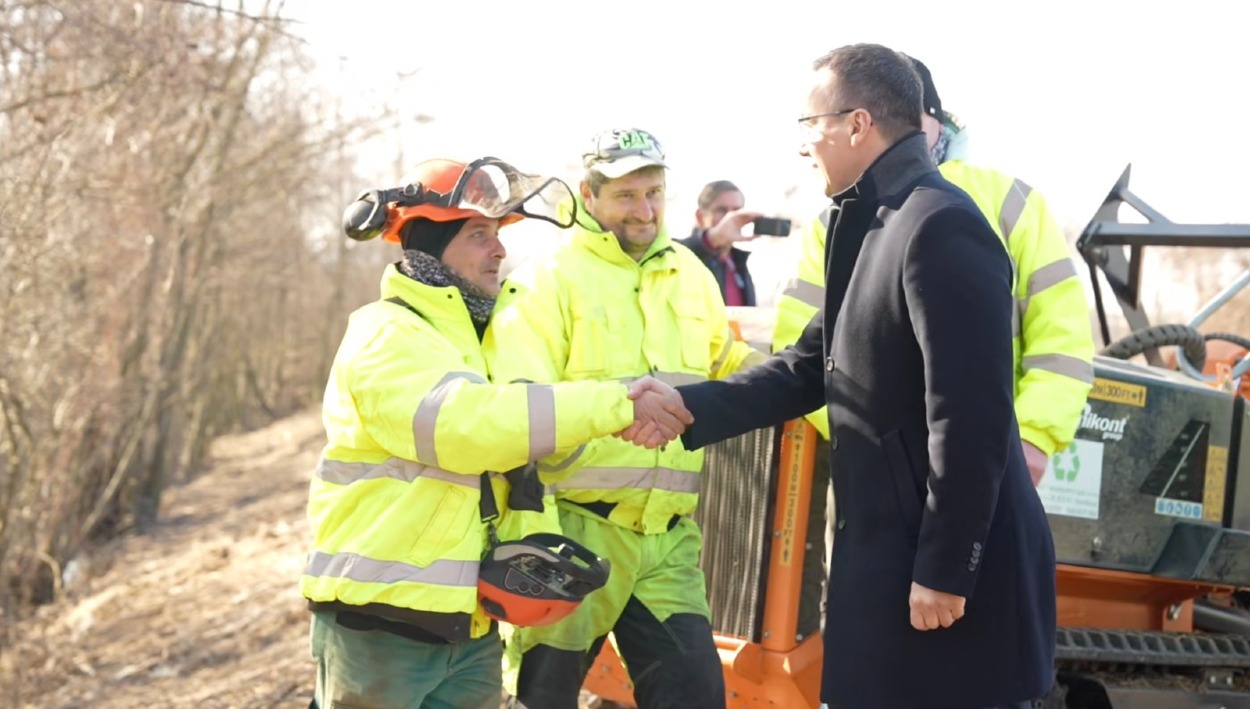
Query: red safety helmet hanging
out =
(539, 579)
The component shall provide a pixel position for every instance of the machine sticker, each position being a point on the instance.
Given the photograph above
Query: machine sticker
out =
(1118, 392)
(1186, 481)
(1073, 480)
(1178, 508)
(1111, 429)
(789, 534)
(1216, 483)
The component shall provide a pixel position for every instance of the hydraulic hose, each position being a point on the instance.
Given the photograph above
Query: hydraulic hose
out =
(1228, 337)
(1187, 338)
(1215, 619)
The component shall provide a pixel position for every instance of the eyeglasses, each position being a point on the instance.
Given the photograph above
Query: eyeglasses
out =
(809, 134)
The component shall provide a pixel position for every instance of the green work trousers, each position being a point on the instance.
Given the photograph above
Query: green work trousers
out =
(375, 669)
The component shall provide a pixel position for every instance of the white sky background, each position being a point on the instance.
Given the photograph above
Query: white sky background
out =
(1062, 94)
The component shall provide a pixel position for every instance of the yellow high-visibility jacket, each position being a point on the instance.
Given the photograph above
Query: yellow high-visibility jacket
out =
(1053, 342)
(412, 425)
(590, 312)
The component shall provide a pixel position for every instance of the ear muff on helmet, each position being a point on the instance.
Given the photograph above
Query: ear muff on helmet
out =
(363, 219)
(538, 580)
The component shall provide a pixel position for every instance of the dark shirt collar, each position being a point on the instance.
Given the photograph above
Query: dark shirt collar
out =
(899, 166)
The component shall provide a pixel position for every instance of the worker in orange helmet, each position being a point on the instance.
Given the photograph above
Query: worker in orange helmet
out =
(419, 544)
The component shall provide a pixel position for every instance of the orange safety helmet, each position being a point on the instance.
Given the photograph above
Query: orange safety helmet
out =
(444, 190)
(538, 580)
(440, 175)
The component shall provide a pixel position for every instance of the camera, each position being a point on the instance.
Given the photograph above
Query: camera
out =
(772, 226)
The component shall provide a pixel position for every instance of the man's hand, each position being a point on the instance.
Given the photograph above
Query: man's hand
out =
(660, 415)
(729, 229)
(933, 609)
(1036, 460)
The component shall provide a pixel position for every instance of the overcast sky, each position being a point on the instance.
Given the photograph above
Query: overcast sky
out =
(1063, 94)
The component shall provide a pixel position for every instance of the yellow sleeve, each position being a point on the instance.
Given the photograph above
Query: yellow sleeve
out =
(443, 415)
(1057, 341)
(804, 297)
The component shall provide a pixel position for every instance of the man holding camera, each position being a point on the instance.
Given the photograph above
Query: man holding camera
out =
(719, 221)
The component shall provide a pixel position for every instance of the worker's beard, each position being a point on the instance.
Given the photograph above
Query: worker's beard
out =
(424, 268)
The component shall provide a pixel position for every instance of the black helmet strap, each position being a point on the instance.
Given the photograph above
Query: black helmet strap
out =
(488, 507)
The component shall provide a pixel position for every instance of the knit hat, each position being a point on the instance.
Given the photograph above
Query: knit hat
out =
(421, 234)
(932, 102)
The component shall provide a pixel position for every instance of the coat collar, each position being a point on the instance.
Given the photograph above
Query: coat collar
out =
(433, 302)
(898, 167)
(695, 243)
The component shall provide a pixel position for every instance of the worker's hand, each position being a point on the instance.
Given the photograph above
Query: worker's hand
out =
(933, 609)
(729, 229)
(660, 415)
(1036, 460)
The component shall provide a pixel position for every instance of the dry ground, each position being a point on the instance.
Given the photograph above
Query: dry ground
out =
(203, 611)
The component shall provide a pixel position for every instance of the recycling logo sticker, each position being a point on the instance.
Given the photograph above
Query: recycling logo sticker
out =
(1073, 480)
(1066, 464)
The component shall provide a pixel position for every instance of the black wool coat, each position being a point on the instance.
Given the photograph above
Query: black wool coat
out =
(916, 367)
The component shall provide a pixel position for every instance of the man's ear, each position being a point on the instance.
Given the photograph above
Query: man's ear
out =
(584, 188)
(861, 125)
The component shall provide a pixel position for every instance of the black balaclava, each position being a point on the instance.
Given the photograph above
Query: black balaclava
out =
(424, 241)
(432, 237)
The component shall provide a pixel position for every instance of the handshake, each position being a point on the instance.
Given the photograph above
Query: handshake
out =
(660, 415)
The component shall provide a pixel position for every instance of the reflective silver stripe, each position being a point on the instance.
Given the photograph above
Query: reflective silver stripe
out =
(806, 293)
(442, 572)
(1017, 310)
(1013, 207)
(424, 421)
(340, 473)
(1051, 274)
(669, 378)
(541, 403)
(724, 352)
(549, 490)
(1061, 364)
(674, 379)
(637, 478)
(564, 464)
(826, 216)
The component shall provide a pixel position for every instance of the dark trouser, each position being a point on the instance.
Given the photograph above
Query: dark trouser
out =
(673, 665)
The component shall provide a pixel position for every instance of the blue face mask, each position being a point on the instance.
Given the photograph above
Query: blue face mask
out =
(938, 151)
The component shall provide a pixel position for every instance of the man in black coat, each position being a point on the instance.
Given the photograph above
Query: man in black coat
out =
(942, 579)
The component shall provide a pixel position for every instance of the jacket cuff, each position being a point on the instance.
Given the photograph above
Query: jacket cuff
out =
(1044, 442)
(951, 569)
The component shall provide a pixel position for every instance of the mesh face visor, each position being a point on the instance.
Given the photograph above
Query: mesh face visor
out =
(496, 189)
